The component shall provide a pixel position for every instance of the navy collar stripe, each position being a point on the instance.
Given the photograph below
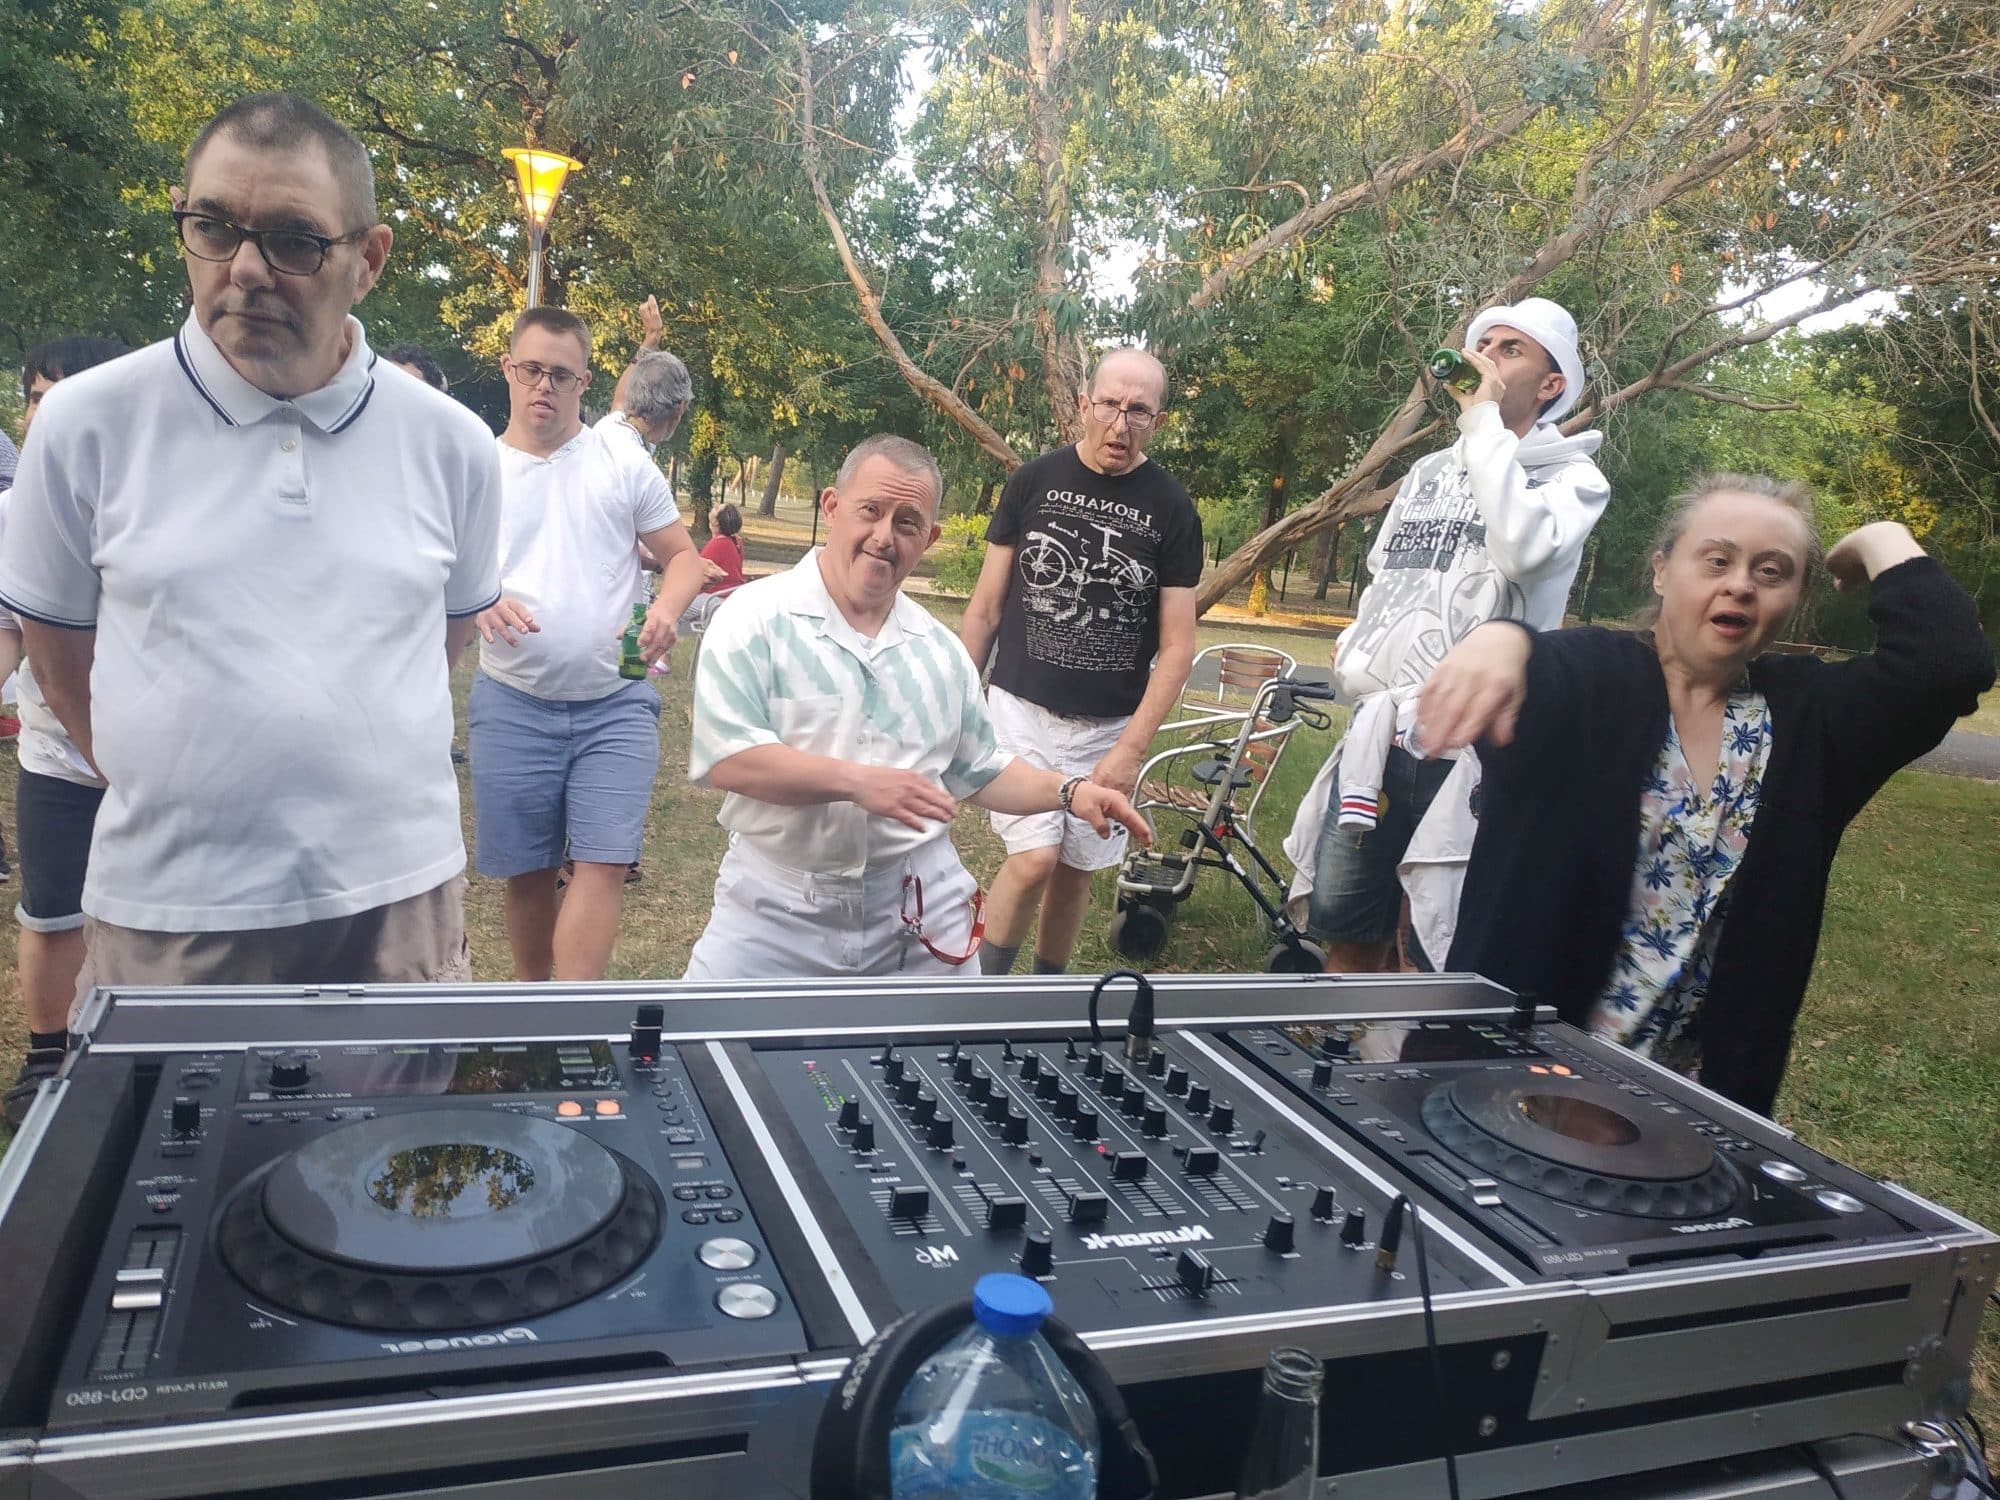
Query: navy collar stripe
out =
(353, 413)
(180, 353)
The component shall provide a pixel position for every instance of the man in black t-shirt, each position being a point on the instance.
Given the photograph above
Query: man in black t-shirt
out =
(1086, 605)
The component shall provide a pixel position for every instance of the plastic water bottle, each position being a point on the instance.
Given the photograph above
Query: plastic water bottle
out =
(994, 1415)
(1283, 1461)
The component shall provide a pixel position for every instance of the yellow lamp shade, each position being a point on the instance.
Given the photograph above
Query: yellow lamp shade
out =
(541, 175)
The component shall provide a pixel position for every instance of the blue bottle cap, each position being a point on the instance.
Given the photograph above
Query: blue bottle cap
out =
(1009, 1305)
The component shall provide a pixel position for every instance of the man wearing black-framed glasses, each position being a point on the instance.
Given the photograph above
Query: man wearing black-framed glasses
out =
(1086, 605)
(259, 517)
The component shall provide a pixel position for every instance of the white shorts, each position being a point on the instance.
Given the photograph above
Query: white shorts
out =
(774, 922)
(1055, 742)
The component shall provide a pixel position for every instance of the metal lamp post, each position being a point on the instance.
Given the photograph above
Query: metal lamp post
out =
(541, 175)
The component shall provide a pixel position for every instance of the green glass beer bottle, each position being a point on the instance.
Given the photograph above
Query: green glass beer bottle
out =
(630, 662)
(1449, 367)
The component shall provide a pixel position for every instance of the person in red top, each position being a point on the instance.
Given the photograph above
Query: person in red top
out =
(723, 549)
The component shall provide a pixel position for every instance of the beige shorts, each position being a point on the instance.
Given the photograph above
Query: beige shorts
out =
(418, 940)
(1071, 746)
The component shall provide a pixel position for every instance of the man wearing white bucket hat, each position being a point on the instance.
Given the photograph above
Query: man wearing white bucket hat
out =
(1490, 528)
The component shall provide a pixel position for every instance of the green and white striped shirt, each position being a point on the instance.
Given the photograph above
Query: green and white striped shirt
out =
(780, 665)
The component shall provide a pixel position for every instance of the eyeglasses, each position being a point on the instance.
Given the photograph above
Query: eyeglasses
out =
(293, 252)
(1137, 418)
(528, 373)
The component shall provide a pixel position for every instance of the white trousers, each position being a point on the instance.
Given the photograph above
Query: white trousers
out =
(773, 922)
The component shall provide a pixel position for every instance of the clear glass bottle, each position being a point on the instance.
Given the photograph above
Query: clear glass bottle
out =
(1283, 1461)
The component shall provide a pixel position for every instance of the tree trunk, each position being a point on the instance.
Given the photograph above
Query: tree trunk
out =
(768, 506)
(701, 480)
(1589, 580)
(1327, 564)
(1062, 353)
(983, 506)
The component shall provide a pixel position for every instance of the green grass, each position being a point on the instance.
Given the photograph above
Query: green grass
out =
(1986, 718)
(1897, 1068)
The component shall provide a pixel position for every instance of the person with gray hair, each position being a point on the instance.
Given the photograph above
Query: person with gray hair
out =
(846, 724)
(1085, 603)
(654, 394)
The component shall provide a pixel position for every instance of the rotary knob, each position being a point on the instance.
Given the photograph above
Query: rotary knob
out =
(1038, 1255)
(1085, 1127)
(981, 1087)
(850, 1113)
(1156, 1063)
(1047, 1084)
(892, 1068)
(1177, 1080)
(1222, 1119)
(1323, 1205)
(1134, 1099)
(1065, 1096)
(1093, 1064)
(1354, 1228)
(961, 1066)
(996, 1108)
(1322, 1074)
(941, 1133)
(1336, 1044)
(1155, 1121)
(1278, 1233)
(908, 1088)
(1198, 1099)
(864, 1134)
(1031, 1067)
(289, 1071)
(1015, 1132)
(925, 1107)
(1112, 1083)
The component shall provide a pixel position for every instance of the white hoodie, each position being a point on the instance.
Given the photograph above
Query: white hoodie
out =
(1491, 528)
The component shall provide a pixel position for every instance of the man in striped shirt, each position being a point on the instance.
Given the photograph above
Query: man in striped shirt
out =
(846, 724)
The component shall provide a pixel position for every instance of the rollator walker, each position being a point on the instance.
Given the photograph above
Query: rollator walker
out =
(1259, 699)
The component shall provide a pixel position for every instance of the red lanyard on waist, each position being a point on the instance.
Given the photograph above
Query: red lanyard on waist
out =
(913, 883)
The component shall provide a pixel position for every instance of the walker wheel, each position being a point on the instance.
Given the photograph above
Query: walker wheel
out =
(1295, 957)
(1138, 932)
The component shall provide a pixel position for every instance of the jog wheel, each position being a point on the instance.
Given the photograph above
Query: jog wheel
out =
(450, 1218)
(1581, 1143)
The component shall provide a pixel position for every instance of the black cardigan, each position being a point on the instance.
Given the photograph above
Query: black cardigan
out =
(1551, 869)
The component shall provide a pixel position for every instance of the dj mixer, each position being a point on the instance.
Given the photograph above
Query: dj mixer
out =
(613, 1240)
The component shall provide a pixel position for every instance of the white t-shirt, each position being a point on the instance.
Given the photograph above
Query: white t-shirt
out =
(46, 748)
(269, 582)
(44, 745)
(568, 525)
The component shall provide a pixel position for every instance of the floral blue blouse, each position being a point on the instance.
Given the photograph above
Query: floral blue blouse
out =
(1692, 837)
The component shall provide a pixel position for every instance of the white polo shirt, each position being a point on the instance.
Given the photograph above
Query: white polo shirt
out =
(269, 582)
(780, 665)
(568, 525)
